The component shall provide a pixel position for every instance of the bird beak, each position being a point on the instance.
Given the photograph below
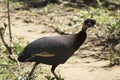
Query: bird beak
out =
(94, 25)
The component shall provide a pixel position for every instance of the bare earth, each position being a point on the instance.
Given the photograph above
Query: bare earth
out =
(77, 67)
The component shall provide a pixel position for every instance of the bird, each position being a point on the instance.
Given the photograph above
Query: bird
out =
(55, 50)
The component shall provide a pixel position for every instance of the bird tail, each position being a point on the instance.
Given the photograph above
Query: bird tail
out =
(21, 57)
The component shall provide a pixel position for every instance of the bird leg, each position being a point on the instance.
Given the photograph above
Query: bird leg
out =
(30, 74)
(52, 70)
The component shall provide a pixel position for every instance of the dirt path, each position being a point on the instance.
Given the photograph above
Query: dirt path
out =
(89, 69)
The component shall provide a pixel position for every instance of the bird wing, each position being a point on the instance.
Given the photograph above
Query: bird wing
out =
(49, 46)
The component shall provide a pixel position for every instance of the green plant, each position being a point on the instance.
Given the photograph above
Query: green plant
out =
(17, 44)
(114, 60)
(113, 25)
(53, 78)
(10, 68)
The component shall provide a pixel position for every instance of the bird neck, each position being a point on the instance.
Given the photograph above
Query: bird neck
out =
(82, 35)
(80, 38)
(84, 28)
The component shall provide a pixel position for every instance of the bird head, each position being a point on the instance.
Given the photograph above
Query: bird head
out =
(88, 23)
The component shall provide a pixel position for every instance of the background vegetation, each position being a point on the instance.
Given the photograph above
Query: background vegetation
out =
(106, 34)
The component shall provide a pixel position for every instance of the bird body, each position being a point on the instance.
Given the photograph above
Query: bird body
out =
(54, 50)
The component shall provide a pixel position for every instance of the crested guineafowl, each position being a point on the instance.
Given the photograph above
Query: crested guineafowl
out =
(54, 50)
